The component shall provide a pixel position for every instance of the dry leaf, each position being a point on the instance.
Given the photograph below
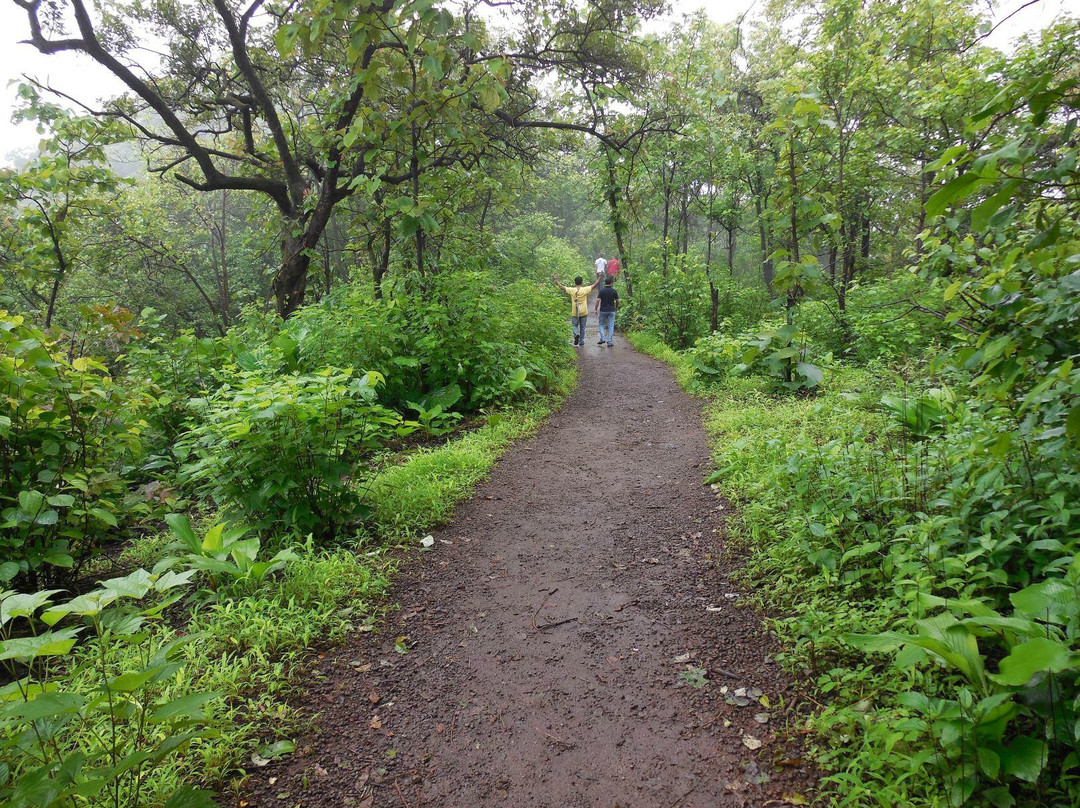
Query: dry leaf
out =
(794, 799)
(373, 697)
(750, 742)
(440, 728)
(376, 722)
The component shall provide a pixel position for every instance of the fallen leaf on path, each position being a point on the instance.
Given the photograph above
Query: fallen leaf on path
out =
(376, 722)
(761, 718)
(272, 780)
(791, 762)
(764, 702)
(795, 799)
(319, 770)
(373, 697)
(427, 541)
(681, 658)
(750, 742)
(714, 608)
(440, 728)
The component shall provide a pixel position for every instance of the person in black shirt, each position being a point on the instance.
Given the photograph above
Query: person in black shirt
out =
(607, 303)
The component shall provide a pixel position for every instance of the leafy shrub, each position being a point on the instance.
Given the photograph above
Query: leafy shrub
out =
(675, 307)
(67, 442)
(85, 725)
(469, 330)
(282, 453)
(780, 354)
(228, 559)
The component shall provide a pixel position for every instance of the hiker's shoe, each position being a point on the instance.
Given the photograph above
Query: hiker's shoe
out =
(611, 344)
(600, 342)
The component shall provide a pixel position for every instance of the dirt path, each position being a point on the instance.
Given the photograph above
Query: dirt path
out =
(551, 631)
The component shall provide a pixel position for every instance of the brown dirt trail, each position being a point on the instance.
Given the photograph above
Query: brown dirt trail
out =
(551, 630)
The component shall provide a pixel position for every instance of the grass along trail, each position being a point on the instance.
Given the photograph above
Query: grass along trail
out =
(569, 640)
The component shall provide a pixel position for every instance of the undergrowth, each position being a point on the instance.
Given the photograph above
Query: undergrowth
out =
(929, 596)
(235, 653)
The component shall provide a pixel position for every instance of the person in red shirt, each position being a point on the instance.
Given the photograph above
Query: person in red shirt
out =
(613, 267)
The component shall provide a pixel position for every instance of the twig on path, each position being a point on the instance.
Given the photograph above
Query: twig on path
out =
(541, 606)
(559, 741)
(404, 801)
(560, 623)
(686, 794)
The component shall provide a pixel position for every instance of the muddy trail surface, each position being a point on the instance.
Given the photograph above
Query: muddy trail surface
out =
(572, 636)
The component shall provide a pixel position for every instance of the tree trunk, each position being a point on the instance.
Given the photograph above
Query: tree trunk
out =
(290, 283)
(766, 262)
(618, 224)
(224, 303)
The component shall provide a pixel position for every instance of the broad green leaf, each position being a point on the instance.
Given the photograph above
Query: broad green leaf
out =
(19, 605)
(1034, 656)
(1052, 600)
(133, 680)
(189, 706)
(212, 541)
(48, 643)
(1024, 758)
(133, 585)
(812, 373)
(182, 529)
(954, 190)
(45, 705)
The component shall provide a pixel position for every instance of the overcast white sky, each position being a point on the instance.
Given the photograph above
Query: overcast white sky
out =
(81, 78)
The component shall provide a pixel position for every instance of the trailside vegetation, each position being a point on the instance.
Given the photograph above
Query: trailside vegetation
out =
(879, 294)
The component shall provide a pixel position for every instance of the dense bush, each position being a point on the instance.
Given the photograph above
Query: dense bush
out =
(489, 337)
(68, 441)
(282, 452)
(85, 724)
(676, 306)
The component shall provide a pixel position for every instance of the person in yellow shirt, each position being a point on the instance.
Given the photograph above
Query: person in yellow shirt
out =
(579, 306)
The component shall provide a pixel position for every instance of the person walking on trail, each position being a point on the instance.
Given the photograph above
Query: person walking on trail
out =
(601, 268)
(579, 306)
(607, 303)
(613, 267)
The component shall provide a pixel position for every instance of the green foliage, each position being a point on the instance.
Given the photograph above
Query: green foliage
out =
(68, 440)
(86, 724)
(675, 307)
(284, 452)
(470, 330)
(228, 559)
(779, 354)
